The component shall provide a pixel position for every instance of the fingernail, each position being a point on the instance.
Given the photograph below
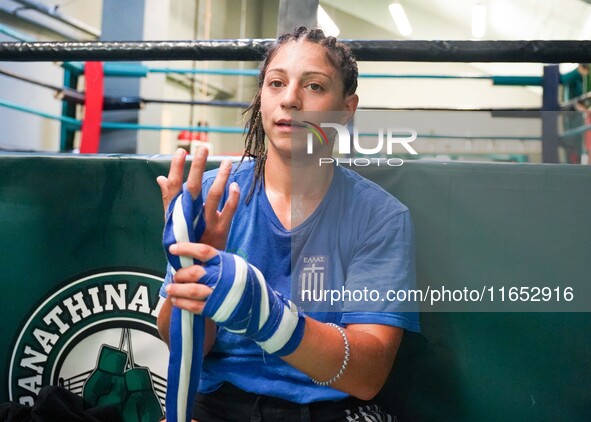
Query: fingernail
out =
(234, 187)
(173, 248)
(180, 152)
(173, 300)
(167, 288)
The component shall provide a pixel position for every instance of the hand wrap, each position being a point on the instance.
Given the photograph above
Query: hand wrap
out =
(243, 303)
(184, 223)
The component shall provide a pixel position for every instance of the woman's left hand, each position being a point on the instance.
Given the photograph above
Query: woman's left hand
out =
(217, 223)
(186, 293)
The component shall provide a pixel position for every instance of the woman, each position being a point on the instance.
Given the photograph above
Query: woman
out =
(325, 366)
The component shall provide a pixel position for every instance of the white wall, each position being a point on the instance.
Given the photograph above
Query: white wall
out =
(227, 19)
(156, 27)
(22, 131)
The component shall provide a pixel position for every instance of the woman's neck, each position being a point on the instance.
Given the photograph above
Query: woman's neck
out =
(295, 188)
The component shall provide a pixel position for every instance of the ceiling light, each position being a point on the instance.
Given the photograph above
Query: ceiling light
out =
(478, 20)
(326, 23)
(400, 19)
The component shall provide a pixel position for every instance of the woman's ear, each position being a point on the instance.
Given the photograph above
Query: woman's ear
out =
(351, 102)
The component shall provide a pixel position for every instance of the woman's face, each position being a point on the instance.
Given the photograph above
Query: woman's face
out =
(299, 78)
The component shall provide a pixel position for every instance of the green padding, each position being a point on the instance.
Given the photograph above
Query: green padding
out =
(511, 224)
(62, 216)
(112, 69)
(517, 80)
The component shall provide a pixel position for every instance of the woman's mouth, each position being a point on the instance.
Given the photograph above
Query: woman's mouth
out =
(289, 125)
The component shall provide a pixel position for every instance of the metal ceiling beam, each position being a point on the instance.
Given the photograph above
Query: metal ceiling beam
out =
(54, 13)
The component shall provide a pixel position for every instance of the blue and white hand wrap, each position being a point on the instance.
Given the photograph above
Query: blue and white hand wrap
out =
(243, 303)
(184, 223)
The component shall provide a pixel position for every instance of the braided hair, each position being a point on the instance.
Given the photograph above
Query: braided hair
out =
(339, 55)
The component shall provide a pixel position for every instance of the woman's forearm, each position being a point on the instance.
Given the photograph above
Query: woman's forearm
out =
(373, 348)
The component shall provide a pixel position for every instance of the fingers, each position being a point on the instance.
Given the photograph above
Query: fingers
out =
(163, 184)
(214, 196)
(192, 291)
(175, 173)
(190, 274)
(185, 293)
(190, 296)
(199, 251)
(196, 172)
(218, 223)
(230, 207)
(171, 185)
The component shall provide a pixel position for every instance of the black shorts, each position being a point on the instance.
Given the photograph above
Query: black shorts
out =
(231, 404)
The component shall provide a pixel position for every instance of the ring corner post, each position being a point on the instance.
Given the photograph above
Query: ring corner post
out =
(550, 83)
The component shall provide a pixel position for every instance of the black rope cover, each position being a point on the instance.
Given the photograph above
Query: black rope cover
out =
(252, 50)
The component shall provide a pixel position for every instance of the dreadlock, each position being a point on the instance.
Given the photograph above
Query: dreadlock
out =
(339, 55)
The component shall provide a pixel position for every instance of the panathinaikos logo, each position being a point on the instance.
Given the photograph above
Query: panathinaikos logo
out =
(97, 337)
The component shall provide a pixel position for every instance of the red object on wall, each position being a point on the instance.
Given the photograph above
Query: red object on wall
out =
(188, 136)
(93, 108)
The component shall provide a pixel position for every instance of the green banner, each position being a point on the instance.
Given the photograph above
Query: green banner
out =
(82, 264)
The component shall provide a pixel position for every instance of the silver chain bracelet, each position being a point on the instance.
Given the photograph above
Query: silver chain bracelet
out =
(345, 360)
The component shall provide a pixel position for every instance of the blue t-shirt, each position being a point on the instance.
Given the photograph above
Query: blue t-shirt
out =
(360, 238)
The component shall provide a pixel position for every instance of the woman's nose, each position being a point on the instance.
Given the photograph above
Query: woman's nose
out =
(291, 97)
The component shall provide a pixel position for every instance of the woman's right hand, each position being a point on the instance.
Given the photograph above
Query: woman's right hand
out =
(217, 223)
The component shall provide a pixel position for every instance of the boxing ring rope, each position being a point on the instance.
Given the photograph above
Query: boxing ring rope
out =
(530, 51)
(75, 123)
(534, 51)
(576, 131)
(139, 70)
(134, 103)
(497, 80)
(70, 121)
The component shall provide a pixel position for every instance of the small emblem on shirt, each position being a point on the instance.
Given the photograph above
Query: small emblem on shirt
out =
(313, 273)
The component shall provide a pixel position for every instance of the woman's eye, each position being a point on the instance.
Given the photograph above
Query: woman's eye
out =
(275, 84)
